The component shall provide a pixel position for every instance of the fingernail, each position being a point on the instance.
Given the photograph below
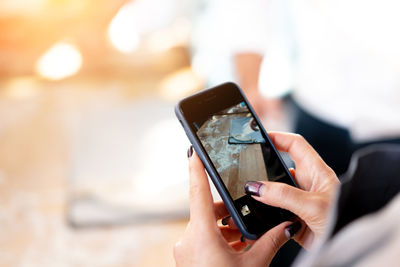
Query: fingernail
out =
(254, 188)
(292, 229)
(224, 221)
(242, 239)
(190, 152)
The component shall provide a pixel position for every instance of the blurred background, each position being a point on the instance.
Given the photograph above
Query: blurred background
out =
(92, 160)
(93, 168)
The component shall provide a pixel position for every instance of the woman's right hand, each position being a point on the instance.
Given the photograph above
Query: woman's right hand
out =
(317, 183)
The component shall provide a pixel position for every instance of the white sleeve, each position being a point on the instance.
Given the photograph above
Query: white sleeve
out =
(245, 25)
(277, 69)
(224, 28)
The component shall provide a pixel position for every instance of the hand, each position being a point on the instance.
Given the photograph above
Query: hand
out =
(204, 243)
(317, 183)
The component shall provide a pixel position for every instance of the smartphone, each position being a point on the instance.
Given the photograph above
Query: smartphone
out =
(235, 148)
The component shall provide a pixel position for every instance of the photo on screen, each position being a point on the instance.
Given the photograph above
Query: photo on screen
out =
(237, 148)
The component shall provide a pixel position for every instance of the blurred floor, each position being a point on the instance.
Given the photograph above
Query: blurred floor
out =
(34, 169)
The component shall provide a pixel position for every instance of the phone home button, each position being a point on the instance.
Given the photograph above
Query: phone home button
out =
(245, 210)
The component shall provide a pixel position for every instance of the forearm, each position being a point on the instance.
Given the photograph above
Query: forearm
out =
(247, 66)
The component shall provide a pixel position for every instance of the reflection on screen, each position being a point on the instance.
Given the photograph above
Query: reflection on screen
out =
(238, 149)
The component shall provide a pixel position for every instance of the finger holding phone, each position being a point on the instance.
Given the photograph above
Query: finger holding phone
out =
(204, 243)
(240, 156)
(317, 183)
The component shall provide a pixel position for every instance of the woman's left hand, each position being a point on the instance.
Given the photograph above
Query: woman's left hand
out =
(204, 243)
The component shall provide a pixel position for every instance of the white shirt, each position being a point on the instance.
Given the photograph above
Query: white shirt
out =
(342, 59)
(223, 28)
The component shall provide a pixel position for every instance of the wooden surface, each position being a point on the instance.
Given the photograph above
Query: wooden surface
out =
(236, 163)
(251, 166)
(215, 135)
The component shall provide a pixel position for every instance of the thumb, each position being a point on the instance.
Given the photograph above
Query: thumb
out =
(201, 202)
(264, 249)
(281, 195)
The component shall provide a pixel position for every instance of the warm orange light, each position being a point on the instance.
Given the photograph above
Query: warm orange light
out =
(60, 61)
(180, 84)
(175, 35)
(21, 87)
(122, 33)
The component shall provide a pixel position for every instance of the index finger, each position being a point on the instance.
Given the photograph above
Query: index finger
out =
(201, 201)
(220, 210)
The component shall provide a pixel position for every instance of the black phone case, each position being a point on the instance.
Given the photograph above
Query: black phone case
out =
(210, 167)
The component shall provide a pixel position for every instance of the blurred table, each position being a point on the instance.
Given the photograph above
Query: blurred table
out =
(34, 166)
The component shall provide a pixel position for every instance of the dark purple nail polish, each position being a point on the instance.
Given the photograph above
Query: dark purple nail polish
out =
(292, 229)
(253, 188)
(190, 152)
(224, 221)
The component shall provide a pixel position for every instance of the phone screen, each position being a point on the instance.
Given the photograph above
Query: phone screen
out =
(240, 152)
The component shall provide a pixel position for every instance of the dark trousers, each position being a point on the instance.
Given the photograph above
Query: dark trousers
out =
(334, 144)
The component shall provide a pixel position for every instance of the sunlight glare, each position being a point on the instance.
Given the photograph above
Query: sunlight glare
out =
(180, 84)
(60, 61)
(121, 32)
